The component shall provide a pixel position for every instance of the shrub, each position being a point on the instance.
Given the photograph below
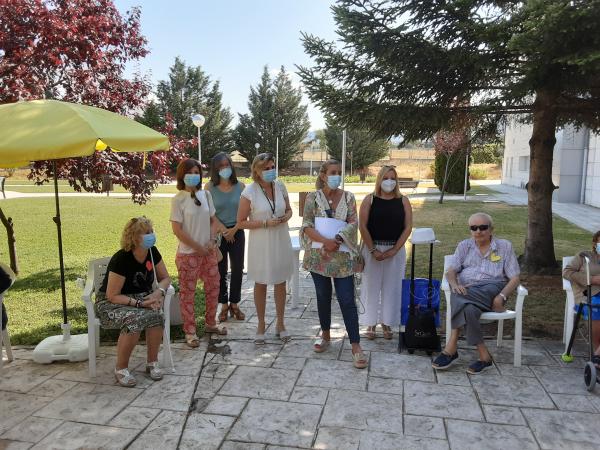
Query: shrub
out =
(456, 172)
(478, 173)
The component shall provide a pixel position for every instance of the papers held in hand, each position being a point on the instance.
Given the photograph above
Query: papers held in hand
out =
(328, 228)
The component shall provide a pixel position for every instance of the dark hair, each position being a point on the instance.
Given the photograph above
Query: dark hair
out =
(596, 238)
(215, 179)
(185, 165)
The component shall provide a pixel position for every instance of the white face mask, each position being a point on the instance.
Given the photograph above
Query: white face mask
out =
(388, 185)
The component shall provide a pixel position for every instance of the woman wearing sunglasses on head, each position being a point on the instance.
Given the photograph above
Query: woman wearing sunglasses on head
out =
(192, 214)
(265, 210)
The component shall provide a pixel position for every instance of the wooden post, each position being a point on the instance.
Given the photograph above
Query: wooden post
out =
(10, 234)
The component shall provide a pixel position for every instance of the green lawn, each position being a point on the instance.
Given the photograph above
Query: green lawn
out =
(92, 227)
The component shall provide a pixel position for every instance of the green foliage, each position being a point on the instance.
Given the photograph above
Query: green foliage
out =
(362, 146)
(455, 182)
(478, 173)
(486, 154)
(275, 111)
(189, 90)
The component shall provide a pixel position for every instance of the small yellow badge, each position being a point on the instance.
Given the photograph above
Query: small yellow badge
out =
(494, 257)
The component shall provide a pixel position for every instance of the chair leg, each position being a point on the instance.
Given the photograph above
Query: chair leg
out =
(448, 320)
(569, 323)
(518, 338)
(92, 339)
(6, 340)
(500, 333)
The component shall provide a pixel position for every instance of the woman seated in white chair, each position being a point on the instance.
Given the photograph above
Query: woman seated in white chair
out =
(127, 300)
(575, 273)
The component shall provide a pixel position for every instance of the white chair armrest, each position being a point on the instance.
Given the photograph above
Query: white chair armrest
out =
(567, 286)
(522, 292)
(445, 284)
(87, 291)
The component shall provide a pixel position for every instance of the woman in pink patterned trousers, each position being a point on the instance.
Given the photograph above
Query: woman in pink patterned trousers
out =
(192, 213)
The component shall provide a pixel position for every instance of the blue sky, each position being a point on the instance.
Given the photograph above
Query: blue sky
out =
(231, 39)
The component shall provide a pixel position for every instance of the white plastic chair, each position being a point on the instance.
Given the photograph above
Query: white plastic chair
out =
(569, 319)
(96, 271)
(516, 315)
(4, 339)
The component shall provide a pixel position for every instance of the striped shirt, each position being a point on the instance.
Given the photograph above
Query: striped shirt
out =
(499, 263)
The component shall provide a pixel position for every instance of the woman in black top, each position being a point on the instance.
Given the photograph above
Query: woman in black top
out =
(128, 301)
(385, 222)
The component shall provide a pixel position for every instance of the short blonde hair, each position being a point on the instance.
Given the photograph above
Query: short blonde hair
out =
(135, 227)
(320, 184)
(258, 164)
(379, 179)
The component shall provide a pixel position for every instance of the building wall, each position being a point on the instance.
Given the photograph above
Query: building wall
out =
(592, 182)
(515, 164)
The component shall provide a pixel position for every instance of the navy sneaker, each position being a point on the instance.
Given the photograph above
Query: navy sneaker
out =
(479, 366)
(444, 360)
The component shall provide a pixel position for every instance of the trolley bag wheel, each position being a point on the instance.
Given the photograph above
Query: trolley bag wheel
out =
(589, 375)
(411, 350)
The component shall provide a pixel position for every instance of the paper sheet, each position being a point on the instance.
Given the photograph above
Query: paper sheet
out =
(328, 228)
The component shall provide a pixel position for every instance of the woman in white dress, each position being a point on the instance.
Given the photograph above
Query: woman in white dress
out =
(265, 210)
(385, 223)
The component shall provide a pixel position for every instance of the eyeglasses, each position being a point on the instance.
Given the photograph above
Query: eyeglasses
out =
(478, 227)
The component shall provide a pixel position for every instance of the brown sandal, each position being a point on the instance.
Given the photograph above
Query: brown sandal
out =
(223, 314)
(387, 332)
(220, 331)
(236, 313)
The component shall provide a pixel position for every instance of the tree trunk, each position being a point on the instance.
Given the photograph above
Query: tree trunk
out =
(10, 234)
(445, 179)
(539, 254)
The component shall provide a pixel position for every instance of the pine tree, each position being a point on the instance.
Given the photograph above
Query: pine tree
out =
(188, 91)
(362, 146)
(408, 66)
(275, 111)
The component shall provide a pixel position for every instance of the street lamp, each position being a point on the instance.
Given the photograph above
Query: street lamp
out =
(199, 120)
(257, 146)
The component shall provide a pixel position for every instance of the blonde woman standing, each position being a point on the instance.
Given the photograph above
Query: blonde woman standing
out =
(265, 210)
(329, 264)
(385, 224)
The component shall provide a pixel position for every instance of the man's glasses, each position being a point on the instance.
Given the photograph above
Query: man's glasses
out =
(479, 227)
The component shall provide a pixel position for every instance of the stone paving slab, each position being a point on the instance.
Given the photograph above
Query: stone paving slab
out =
(259, 382)
(74, 435)
(560, 429)
(436, 400)
(476, 436)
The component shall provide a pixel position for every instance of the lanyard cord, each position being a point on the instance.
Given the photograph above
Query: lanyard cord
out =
(271, 205)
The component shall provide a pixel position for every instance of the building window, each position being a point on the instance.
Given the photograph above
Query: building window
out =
(523, 163)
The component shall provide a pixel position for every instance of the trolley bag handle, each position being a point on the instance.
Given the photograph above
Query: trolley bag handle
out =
(430, 284)
(411, 309)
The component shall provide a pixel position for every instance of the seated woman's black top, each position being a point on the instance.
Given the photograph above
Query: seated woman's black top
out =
(138, 276)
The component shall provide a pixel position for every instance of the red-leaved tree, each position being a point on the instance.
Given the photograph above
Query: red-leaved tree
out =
(77, 51)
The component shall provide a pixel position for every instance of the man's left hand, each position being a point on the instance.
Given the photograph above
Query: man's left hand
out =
(498, 304)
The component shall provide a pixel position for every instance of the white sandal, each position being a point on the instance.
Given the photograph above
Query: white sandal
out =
(320, 345)
(259, 339)
(154, 371)
(124, 378)
(284, 336)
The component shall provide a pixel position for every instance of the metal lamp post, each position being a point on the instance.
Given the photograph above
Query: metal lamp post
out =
(257, 146)
(199, 120)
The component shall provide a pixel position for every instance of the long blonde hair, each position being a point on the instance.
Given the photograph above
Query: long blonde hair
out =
(135, 227)
(320, 184)
(379, 179)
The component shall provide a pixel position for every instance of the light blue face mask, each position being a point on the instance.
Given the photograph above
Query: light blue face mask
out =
(225, 173)
(269, 175)
(334, 181)
(148, 240)
(191, 179)
(598, 248)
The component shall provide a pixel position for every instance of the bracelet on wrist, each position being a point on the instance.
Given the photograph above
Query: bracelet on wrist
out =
(138, 303)
(503, 297)
(162, 291)
(372, 250)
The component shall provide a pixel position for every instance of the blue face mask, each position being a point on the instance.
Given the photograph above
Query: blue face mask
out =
(598, 248)
(191, 179)
(269, 175)
(334, 181)
(225, 173)
(148, 240)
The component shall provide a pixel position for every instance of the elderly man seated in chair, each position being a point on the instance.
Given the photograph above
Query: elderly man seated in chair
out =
(483, 273)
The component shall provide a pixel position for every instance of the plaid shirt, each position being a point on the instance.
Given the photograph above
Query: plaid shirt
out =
(498, 264)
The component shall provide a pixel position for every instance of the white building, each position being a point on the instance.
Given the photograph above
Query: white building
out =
(575, 169)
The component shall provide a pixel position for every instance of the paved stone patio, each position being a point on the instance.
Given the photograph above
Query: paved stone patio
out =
(239, 396)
